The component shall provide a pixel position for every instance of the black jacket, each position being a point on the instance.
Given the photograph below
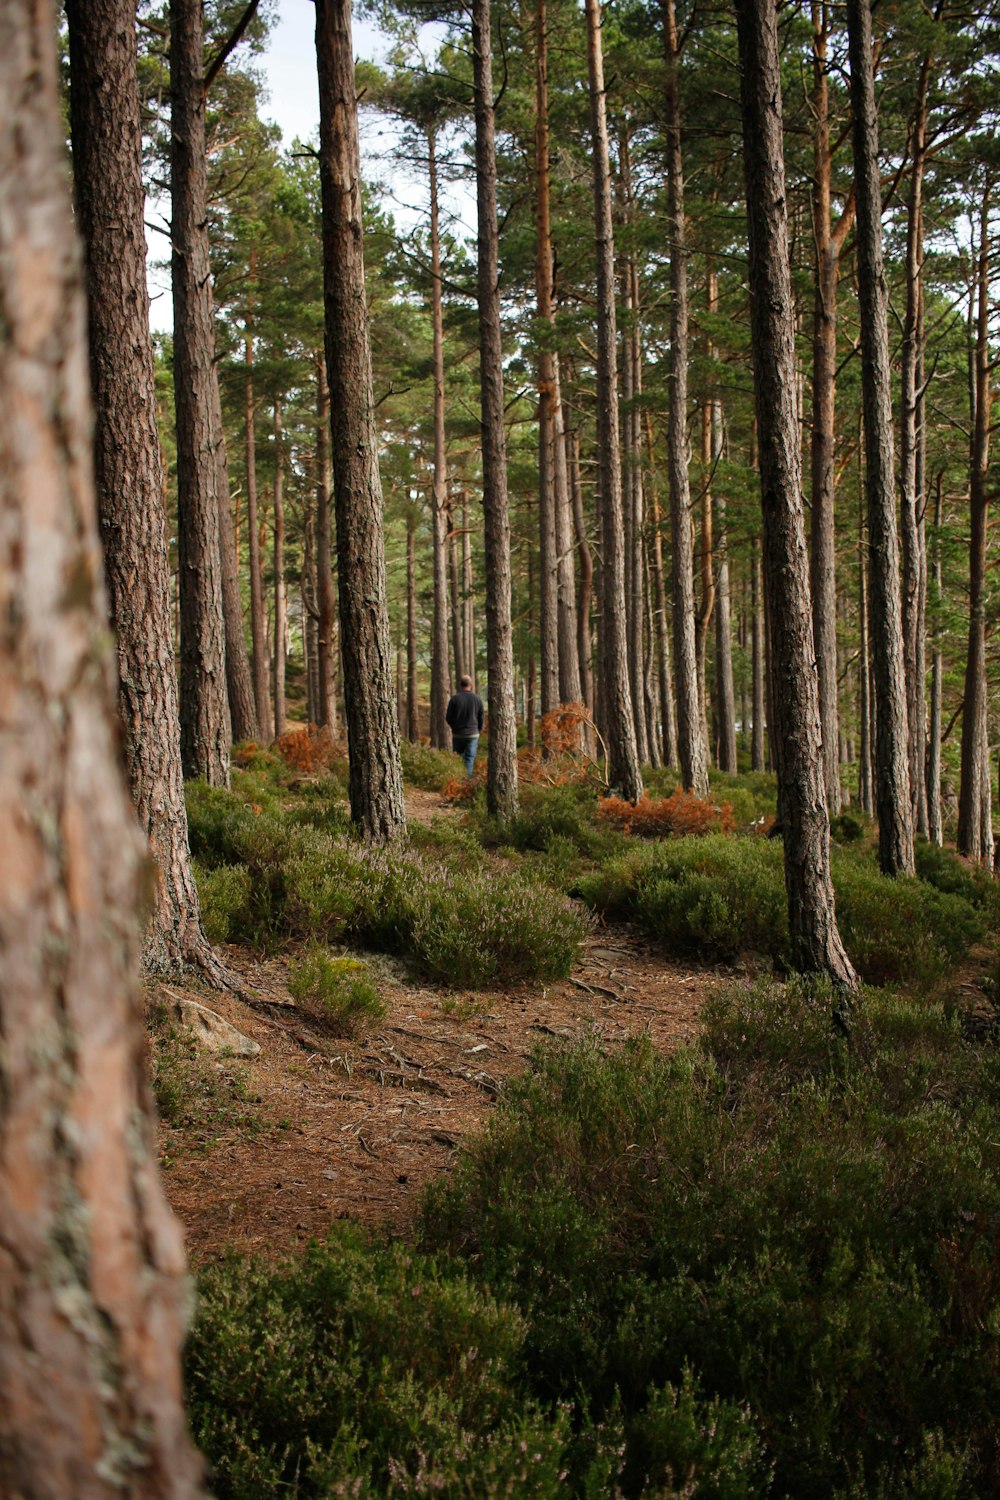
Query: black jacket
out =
(464, 715)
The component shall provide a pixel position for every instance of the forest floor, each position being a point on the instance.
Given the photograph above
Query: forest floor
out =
(329, 1128)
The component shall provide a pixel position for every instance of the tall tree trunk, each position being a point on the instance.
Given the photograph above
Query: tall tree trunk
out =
(548, 592)
(204, 699)
(706, 565)
(325, 600)
(107, 166)
(624, 771)
(975, 838)
(439, 488)
(866, 773)
(829, 240)
(585, 585)
(239, 683)
(935, 829)
(280, 600)
(570, 684)
(665, 688)
(892, 789)
(457, 608)
(631, 482)
(724, 689)
(258, 627)
(911, 501)
(92, 1290)
(468, 594)
(757, 661)
(376, 777)
(412, 707)
(501, 778)
(815, 940)
(690, 741)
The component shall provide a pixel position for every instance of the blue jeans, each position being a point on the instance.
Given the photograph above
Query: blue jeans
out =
(467, 750)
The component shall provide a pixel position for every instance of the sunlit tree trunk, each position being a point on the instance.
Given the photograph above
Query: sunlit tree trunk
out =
(258, 625)
(690, 740)
(326, 624)
(623, 760)
(92, 1289)
(376, 778)
(439, 489)
(892, 782)
(204, 699)
(280, 599)
(107, 167)
(548, 583)
(412, 707)
(935, 829)
(815, 940)
(975, 837)
(501, 776)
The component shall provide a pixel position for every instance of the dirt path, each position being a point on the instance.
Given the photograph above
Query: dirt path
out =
(358, 1129)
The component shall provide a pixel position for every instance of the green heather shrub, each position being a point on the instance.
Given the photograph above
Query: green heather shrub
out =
(427, 768)
(948, 872)
(464, 921)
(807, 1227)
(367, 1371)
(224, 897)
(338, 991)
(717, 897)
(847, 828)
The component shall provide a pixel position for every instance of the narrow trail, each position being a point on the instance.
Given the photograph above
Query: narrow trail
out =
(357, 1129)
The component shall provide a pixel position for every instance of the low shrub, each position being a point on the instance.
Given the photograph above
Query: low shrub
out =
(311, 750)
(462, 922)
(339, 991)
(717, 897)
(426, 768)
(955, 876)
(847, 828)
(197, 1091)
(804, 1229)
(364, 1371)
(224, 895)
(681, 814)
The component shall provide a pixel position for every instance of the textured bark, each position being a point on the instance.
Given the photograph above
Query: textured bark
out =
(757, 667)
(975, 838)
(204, 699)
(258, 624)
(935, 829)
(910, 499)
(624, 772)
(815, 940)
(892, 782)
(91, 1260)
(107, 166)
(457, 608)
(239, 683)
(468, 594)
(412, 707)
(570, 685)
(501, 775)
(280, 599)
(326, 624)
(439, 490)
(376, 778)
(724, 690)
(632, 493)
(706, 565)
(690, 741)
(662, 642)
(548, 591)
(585, 583)
(829, 240)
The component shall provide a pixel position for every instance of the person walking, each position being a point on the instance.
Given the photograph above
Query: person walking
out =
(464, 717)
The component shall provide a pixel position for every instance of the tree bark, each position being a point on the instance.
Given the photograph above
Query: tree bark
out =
(624, 772)
(585, 583)
(935, 829)
(92, 1288)
(280, 600)
(892, 782)
(204, 698)
(975, 838)
(457, 609)
(501, 776)
(815, 940)
(829, 240)
(376, 778)
(107, 166)
(326, 630)
(690, 741)
(757, 667)
(258, 624)
(412, 707)
(468, 594)
(439, 492)
(911, 501)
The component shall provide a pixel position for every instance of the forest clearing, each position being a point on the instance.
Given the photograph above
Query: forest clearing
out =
(591, 1088)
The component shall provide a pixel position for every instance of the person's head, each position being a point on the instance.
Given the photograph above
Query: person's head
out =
(465, 683)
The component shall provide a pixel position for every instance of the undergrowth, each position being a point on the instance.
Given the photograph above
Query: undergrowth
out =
(202, 1093)
(764, 1267)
